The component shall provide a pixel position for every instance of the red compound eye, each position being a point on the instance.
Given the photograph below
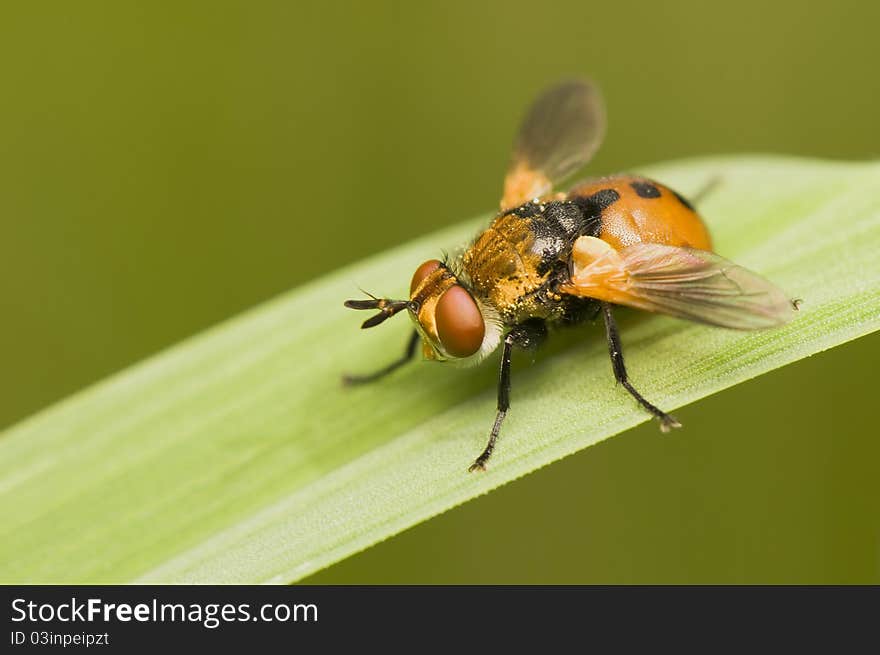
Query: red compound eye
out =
(421, 273)
(460, 324)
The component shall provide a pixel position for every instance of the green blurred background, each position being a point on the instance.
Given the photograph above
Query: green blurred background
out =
(165, 165)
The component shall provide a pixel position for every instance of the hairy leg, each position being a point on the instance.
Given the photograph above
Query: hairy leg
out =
(527, 336)
(667, 421)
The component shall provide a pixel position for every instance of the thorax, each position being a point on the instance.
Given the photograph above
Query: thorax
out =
(515, 262)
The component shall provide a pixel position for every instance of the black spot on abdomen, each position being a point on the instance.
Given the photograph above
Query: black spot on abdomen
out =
(645, 189)
(684, 201)
(595, 204)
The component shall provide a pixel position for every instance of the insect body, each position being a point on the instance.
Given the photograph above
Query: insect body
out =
(555, 259)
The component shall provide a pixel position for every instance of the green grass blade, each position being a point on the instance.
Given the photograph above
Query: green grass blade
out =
(238, 457)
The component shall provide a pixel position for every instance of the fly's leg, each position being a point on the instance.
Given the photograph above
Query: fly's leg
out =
(408, 354)
(527, 336)
(503, 406)
(707, 188)
(667, 421)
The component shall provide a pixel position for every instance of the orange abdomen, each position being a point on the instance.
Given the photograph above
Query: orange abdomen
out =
(644, 211)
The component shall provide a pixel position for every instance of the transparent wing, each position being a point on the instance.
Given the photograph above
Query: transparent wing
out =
(683, 282)
(560, 134)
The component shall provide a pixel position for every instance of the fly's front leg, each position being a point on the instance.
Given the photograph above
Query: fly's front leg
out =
(667, 421)
(408, 354)
(527, 336)
(503, 406)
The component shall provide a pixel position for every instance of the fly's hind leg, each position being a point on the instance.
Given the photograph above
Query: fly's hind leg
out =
(703, 192)
(409, 353)
(667, 421)
(527, 336)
